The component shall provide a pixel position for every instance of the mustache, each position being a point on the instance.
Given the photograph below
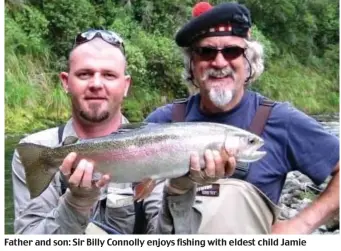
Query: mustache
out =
(220, 73)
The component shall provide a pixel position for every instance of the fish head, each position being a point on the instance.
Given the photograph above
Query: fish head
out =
(244, 146)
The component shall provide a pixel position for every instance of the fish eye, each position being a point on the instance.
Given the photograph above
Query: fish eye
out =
(252, 141)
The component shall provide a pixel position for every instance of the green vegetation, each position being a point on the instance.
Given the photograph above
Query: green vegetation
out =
(301, 43)
(307, 195)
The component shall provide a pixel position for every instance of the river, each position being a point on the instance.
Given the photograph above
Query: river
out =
(330, 122)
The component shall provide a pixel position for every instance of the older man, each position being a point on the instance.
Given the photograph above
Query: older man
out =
(221, 60)
(97, 83)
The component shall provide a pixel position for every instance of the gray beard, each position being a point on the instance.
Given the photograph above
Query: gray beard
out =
(221, 97)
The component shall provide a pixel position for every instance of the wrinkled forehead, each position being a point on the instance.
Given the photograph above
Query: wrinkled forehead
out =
(221, 41)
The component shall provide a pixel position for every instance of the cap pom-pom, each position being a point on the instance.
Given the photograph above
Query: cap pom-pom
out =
(200, 8)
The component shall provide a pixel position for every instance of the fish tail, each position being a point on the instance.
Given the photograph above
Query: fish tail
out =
(39, 168)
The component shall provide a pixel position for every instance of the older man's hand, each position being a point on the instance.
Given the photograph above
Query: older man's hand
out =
(217, 165)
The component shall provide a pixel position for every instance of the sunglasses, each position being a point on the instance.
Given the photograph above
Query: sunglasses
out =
(210, 53)
(108, 36)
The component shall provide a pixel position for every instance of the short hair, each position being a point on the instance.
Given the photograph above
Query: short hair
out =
(94, 40)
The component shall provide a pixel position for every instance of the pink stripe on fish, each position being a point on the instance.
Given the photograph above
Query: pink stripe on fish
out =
(131, 153)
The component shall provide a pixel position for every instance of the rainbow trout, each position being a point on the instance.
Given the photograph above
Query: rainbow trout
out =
(150, 151)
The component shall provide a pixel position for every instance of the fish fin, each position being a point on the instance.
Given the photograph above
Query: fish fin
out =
(231, 144)
(144, 189)
(215, 146)
(133, 125)
(70, 140)
(39, 170)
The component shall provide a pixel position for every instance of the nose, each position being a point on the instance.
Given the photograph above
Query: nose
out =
(96, 82)
(219, 61)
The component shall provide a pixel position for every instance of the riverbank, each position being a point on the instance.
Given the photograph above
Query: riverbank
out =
(299, 191)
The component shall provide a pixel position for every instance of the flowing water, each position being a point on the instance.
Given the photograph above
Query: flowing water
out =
(330, 122)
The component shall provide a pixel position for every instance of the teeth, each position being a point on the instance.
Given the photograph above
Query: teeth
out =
(222, 73)
(219, 76)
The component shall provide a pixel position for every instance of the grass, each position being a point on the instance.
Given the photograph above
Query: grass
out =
(33, 99)
(307, 88)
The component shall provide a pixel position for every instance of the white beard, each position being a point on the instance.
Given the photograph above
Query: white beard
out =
(220, 97)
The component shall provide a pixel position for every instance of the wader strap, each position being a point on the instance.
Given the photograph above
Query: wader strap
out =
(257, 126)
(258, 123)
(140, 219)
(60, 133)
(63, 181)
(179, 110)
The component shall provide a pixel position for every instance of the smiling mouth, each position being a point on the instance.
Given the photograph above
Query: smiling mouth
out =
(95, 98)
(220, 77)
